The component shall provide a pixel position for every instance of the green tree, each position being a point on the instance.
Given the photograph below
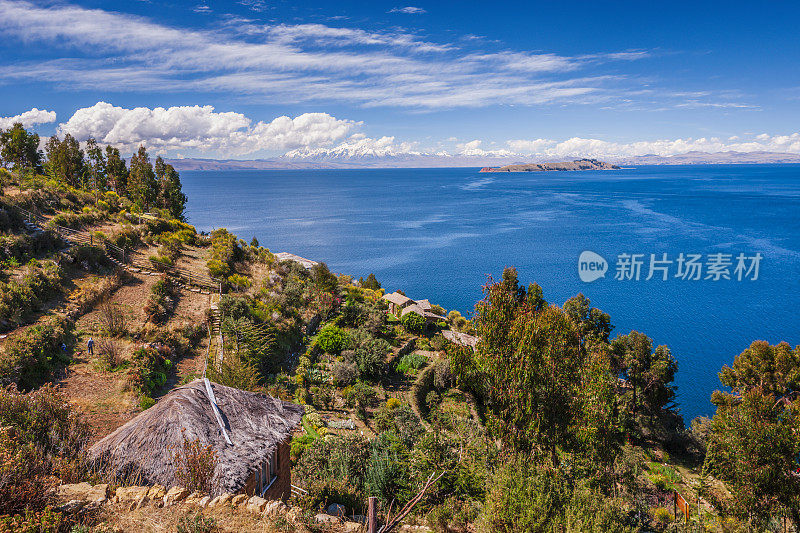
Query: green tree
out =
(142, 184)
(773, 369)
(753, 446)
(65, 162)
(370, 283)
(170, 193)
(96, 165)
(323, 278)
(20, 149)
(593, 325)
(650, 373)
(116, 171)
(527, 369)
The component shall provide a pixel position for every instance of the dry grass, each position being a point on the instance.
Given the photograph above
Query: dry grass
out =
(226, 519)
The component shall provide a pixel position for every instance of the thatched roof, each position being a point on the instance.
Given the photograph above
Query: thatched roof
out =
(254, 423)
(397, 298)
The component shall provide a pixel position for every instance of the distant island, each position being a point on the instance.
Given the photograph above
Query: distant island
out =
(578, 164)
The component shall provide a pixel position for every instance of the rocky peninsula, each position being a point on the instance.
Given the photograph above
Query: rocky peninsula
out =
(578, 164)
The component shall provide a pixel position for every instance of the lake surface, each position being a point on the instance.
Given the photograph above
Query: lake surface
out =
(437, 234)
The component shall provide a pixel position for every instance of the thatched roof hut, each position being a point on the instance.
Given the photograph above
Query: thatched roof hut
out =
(244, 431)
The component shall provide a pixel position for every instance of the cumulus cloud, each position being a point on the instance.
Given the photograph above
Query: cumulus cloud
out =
(202, 129)
(582, 147)
(408, 10)
(29, 118)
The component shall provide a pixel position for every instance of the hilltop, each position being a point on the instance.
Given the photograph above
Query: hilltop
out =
(528, 415)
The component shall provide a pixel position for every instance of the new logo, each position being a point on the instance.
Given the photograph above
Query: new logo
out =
(591, 266)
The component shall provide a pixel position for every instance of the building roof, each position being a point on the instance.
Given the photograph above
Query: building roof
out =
(416, 308)
(461, 338)
(396, 298)
(254, 424)
(425, 304)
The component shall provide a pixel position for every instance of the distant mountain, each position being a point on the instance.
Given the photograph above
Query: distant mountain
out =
(328, 160)
(578, 164)
(717, 158)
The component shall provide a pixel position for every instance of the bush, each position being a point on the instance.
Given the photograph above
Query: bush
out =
(18, 298)
(113, 319)
(413, 323)
(31, 356)
(443, 377)
(150, 367)
(43, 439)
(332, 339)
(411, 362)
(162, 300)
(369, 354)
(344, 373)
(109, 353)
(361, 396)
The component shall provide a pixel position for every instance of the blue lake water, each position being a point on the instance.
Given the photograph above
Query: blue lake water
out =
(437, 234)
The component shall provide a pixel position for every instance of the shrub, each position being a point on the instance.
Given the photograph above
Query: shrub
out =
(162, 300)
(413, 323)
(149, 371)
(17, 298)
(30, 356)
(344, 373)
(109, 353)
(195, 465)
(410, 363)
(443, 377)
(662, 517)
(361, 396)
(113, 319)
(332, 339)
(369, 354)
(43, 439)
(239, 282)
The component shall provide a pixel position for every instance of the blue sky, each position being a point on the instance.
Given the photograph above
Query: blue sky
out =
(480, 79)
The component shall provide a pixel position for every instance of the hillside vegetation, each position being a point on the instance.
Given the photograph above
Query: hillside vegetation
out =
(551, 423)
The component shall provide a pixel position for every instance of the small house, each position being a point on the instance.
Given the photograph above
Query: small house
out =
(249, 432)
(428, 315)
(397, 302)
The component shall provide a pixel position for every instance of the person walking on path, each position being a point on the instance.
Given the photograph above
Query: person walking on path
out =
(90, 346)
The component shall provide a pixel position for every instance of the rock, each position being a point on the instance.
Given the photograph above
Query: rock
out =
(99, 493)
(127, 494)
(360, 518)
(73, 491)
(352, 527)
(336, 509)
(222, 499)
(256, 504)
(174, 495)
(157, 492)
(295, 514)
(194, 498)
(204, 502)
(324, 518)
(276, 507)
(238, 500)
(72, 506)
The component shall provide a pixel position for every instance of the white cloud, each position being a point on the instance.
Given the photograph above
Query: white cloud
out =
(408, 10)
(29, 118)
(291, 63)
(581, 147)
(202, 129)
